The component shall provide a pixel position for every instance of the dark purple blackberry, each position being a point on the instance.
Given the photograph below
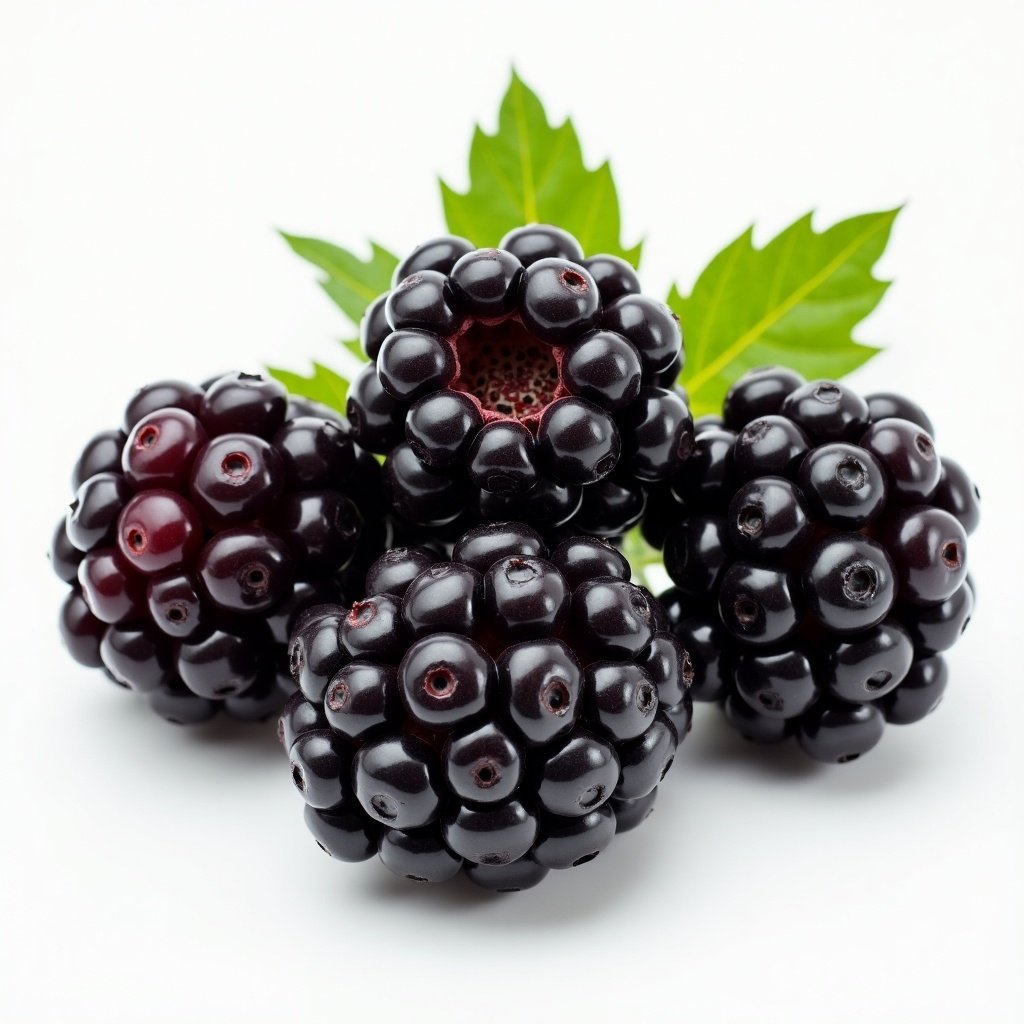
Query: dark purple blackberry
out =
(414, 363)
(758, 393)
(526, 700)
(827, 411)
(197, 539)
(611, 507)
(521, 382)
(818, 546)
(502, 459)
(958, 495)
(440, 254)
(541, 242)
(613, 276)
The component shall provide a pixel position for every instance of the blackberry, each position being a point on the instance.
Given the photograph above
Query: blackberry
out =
(526, 707)
(818, 546)
(200, 532)
(524, 382)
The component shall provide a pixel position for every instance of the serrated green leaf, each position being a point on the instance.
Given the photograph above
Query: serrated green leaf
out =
(795, 301)
(355, 346)
(351, 283)
(323, 385)
(529, 171)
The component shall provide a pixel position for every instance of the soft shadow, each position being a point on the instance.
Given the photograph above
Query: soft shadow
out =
(562, 899)
(130, 714)
(259, 739)
(714, 743)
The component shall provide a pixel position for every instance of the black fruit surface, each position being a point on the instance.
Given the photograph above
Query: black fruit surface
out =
(525, 706)
(200, 533)
(818, 546)
(522, 382)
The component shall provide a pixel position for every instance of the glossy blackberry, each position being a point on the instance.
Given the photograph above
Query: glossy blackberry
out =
(419, 494)
(558, 300)
(163, 394)
(414, 363)
(827, 411)
(501, 458)
(650, 326)
(611, 507)
(524, 700)
(522, 382)
(844, 485)
(199, 535)
(540, 242)
(486, 282)
(818, 546)
(604, 368)
(769, 446)
(441, 428)
(957, 495)
(657, 434)
(758, 393)
(613, 276)
(440, 254)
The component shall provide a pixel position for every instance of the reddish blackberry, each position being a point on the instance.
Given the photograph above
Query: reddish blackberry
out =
(818, 544)
(200, 531)
(520, 707)
(524, 382)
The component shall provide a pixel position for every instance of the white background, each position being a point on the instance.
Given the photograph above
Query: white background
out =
(147, 152)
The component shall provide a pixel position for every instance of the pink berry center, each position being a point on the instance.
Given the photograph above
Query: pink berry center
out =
(362, 613)
(646, 698)
(439, 682)
(236, 467)
(745, 609)
(951, 555)
(147, 437)
(750, 521)
(136, 539)
(338, 696)
(555, 697)
(486, 773)
(574, 280)
(177, 613)
(255, 579)
(509, 372)
(860, 582)
(687, 670)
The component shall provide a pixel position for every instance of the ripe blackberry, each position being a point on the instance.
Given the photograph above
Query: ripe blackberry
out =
(200, 532)
(526, 706)
(818, 546)
(525, 382)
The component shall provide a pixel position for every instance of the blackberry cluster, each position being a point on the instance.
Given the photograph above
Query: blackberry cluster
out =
(199, 530)
(500, 713)
(818, 544)
(524, 382)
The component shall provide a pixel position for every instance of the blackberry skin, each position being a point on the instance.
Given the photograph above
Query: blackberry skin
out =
(521, 706)
(818, 546)
(527, 382)
(201, 531)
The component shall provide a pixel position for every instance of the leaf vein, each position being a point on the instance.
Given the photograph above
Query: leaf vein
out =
(745, 340)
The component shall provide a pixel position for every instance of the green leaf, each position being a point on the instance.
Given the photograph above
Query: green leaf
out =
(795, 301)
(324, 385)
(640, 555)
(529, 171)
(355, 346)
(351, 282)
